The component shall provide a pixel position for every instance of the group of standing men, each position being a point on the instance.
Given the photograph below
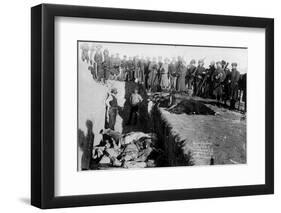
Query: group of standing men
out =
(217, 81)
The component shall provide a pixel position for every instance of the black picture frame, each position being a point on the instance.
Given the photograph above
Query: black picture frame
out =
(43, 105)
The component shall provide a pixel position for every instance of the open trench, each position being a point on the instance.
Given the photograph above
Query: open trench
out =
(91, 107)
(182, 140)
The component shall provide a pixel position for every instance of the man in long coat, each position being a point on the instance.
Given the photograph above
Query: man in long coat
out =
(173, 74)
(117, 66)
(181, 72)
(99, 60)
(123, 68)
(141, 65)
(146, 71)
(85, 52)
(199, 76)
(106, 65)
(160, 63)
(153, 74)
(112, 109)
(218, 78)
(164, 70)
(136, 68)
(111, 67)
(131, 69)
(234, 78)
(190, 75)
(209, 81)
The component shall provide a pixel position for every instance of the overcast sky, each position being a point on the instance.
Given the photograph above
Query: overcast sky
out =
(230, 55)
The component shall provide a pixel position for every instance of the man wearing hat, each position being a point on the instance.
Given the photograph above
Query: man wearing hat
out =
(106, 65)
(137, 74)
(92, 54)
(117, 65)
(191, 69)
(234, 78)
(85, 52)
(146, 71)
(99, 59)
(218, 78)
(123, 68)
(164, 74)
(173, 73)
(141, 65)
(199, 76)
(226, 83)
(152, 76)
(181, 73)
(112, 108)
(131, 69)
(209, 81)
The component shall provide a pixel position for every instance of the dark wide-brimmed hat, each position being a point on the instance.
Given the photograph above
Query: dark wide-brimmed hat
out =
(114, 91)
(234, 64)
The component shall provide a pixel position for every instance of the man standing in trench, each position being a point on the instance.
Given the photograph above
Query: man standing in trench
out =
(111, 109)
(135, 101)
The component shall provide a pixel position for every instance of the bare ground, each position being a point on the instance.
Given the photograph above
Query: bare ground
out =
(221, 137)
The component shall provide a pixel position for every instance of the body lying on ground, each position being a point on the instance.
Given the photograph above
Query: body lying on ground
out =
(191, 107)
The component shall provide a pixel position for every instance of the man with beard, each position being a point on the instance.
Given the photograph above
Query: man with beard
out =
(234, 78)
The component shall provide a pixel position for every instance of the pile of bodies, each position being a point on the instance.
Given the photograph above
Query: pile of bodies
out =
(131, 150)
(215, 81)
(161, 99)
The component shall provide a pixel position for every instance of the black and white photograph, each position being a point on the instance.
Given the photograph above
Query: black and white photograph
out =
(143, 105)
(147, 105)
